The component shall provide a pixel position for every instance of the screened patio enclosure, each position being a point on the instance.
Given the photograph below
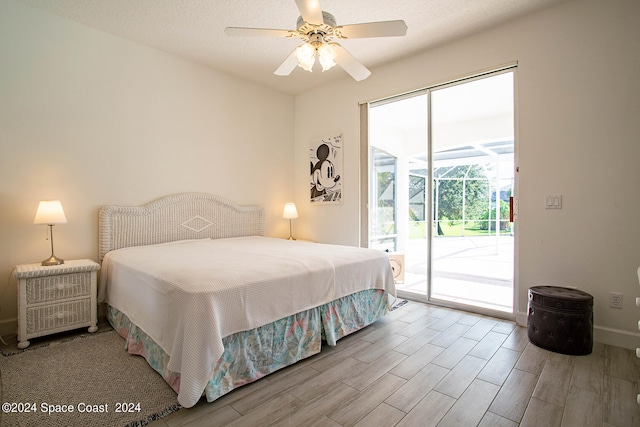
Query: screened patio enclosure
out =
(471, 189)
(465, 190)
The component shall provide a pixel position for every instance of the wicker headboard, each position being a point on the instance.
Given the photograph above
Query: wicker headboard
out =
(176, 217)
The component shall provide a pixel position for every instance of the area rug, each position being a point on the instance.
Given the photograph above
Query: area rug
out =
(89, 380)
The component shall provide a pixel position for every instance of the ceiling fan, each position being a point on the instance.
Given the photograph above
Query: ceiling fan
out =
(318, 29)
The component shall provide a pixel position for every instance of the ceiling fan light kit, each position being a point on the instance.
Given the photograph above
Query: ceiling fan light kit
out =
(306, 53)
(317, 29)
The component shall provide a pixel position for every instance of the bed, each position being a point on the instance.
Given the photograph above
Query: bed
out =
(193, 285)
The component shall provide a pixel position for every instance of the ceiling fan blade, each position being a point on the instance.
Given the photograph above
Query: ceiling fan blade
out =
(372, 29)
(310, 11)
(350, 64)
(288, 65)
(257, 32)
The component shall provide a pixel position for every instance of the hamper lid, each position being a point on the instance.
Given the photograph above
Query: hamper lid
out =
(560, 293)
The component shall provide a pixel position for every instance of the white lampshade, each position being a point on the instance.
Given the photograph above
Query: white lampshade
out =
(290, 211)
(50, 212)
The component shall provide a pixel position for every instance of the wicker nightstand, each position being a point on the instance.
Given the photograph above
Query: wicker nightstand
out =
(56, 298)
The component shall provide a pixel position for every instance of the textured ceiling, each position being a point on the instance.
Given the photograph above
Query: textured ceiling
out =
(194, 29)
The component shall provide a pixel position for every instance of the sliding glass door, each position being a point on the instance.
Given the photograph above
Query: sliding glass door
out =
(449, 152)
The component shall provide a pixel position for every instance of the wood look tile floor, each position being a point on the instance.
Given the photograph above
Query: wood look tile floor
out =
(424, 365)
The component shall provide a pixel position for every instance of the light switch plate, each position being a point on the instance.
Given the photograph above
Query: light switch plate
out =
(553, 202)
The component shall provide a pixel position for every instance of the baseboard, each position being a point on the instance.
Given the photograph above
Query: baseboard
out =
(616, 337)
(602, 334)
(9, 327)
(521, 319)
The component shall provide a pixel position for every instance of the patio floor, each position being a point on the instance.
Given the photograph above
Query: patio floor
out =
(476, 270)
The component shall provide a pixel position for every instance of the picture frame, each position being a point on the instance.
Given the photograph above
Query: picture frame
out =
(326, 170)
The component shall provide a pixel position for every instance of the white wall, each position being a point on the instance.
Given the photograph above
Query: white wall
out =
(577, 131)
(92, 119)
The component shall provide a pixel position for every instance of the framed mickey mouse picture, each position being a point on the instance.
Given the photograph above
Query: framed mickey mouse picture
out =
(326, 170)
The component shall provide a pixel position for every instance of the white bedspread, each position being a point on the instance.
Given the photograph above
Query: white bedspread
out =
(188, 295)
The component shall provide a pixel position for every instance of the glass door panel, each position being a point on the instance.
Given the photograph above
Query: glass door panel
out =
(398, 143)
(472, 142)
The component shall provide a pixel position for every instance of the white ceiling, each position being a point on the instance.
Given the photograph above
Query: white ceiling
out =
(194, 29)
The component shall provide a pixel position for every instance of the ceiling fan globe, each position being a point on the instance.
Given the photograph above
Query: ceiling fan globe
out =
(327, 56)
(306, 55)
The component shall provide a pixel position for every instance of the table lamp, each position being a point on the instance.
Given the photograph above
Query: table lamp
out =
(289, 213)
(50, 212)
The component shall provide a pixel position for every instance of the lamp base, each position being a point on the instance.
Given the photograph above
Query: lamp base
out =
(53, 260)
(291, 238)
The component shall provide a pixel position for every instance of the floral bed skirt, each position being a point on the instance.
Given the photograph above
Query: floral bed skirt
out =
(250, 355)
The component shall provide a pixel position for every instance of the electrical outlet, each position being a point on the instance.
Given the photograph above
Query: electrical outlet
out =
(615, 300)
